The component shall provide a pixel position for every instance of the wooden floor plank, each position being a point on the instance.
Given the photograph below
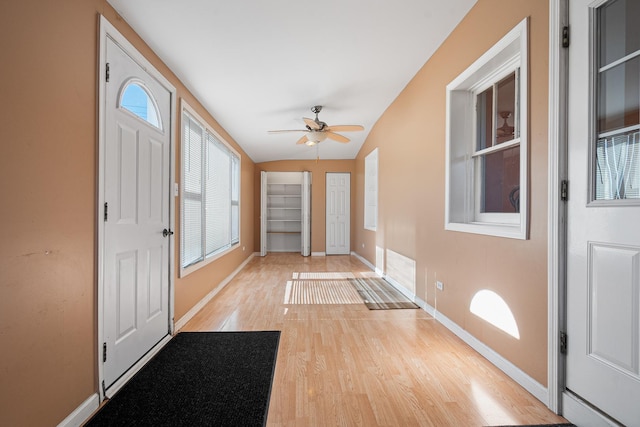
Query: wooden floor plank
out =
(346, 365)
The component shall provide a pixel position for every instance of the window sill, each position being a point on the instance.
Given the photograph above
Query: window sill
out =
(208, 260)
(510, 231)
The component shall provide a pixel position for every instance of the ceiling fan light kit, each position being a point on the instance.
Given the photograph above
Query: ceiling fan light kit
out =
(317, 130)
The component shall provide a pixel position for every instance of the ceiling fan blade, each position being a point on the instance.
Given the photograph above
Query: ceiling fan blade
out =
(337, 137)
(345, 128)
(302, 140)
(287, 130)
(311, 123)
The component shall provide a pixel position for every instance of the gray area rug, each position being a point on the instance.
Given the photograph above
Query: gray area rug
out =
(378, 294)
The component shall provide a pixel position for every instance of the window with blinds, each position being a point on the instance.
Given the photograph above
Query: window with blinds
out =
(210, 204)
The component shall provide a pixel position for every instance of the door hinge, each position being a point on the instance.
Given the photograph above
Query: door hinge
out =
(104, 352)
(104, 390)
(107, 74)
(563, 342)
(106, 211)
(565, 36)
(564, 190)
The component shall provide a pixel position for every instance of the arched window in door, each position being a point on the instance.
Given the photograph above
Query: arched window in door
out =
(137, 99)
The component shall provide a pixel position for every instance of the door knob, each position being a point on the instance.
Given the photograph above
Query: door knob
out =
(166, 232)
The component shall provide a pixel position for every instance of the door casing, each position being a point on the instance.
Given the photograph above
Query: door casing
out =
(559, 399)
(107, 30)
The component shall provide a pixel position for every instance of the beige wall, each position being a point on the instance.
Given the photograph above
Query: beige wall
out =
(48, 131)
(318, 171)
(411, 141)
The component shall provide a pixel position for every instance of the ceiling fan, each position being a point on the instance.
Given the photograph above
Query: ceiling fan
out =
(317, 130)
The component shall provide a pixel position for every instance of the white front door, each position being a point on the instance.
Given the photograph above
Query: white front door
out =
(603, 253)
(136, 193)
(338, 191)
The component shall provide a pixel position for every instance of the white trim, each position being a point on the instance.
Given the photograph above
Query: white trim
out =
(365, 262)
(120, 382)
(318, 254)
(204, 301)
(510, 53)
(403, 290)
(82, 413)
(515, 373)
(107, 30)
(581, 414)
(556, 215)
(370, 223)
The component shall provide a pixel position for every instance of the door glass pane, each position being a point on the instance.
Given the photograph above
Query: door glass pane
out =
(618, 167)
(619, 30)
(616, 155)
(501, 181)
(138, 101)
(506, 109)
(619, 96)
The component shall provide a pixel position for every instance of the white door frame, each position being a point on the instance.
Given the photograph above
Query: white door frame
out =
(107, 30)
(557, 163)
(559, 399)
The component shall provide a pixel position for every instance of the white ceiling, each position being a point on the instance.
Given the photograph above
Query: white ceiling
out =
(260, 65)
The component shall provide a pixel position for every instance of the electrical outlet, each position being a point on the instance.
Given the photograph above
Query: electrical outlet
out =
(440, 285)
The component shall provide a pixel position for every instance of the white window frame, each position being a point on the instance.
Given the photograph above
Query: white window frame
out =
(371, 191)
(207, 259)
(462, 185)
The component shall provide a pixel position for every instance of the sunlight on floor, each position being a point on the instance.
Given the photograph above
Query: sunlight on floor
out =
(321, 292)
(491, 307)
(490, 409)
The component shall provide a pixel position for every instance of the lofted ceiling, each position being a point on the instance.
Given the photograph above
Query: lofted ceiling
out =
(260, 65)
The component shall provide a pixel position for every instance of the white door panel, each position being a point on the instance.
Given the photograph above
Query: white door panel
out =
(136, 193)
(603, 258)
(338, 201)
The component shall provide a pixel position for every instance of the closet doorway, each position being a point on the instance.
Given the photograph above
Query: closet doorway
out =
(285, 212)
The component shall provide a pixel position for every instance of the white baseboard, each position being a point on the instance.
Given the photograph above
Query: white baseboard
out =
(82, 413)
(365, 261)
(404, 291)
(581, 414)
(318, 254)
(515, 373)
(518, 375)
(196, 308)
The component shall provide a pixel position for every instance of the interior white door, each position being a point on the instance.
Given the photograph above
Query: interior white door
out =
(603, 258)
(136, 229)
(338, 205)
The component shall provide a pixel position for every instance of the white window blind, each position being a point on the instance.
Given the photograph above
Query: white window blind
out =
(210, 202)
(193, 136)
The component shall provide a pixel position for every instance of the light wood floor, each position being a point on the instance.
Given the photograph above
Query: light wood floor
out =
(344, 365)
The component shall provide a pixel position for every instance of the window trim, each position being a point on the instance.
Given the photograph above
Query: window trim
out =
(207, 259)
(508, 54)
(371, 223)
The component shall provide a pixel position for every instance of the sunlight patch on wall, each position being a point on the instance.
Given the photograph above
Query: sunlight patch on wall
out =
(490, 307)
(379, 260)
